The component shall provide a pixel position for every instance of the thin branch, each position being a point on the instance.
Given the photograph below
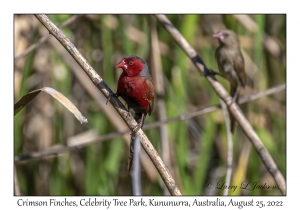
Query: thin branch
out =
(229, 149)
(232, 106)
(272, 90)
(45, 37)
(16, 183)
(159, 89)
(108, 93)
(61, 149)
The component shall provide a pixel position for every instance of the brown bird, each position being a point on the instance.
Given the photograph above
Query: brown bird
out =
(231, 64)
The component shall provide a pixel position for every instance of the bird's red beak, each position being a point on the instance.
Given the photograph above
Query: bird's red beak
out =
(121, 64)
(218, 35)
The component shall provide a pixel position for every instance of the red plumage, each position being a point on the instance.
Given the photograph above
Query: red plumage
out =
(137, 92)
(135, 86)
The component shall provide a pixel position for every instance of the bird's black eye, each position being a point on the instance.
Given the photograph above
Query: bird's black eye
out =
(130, 62)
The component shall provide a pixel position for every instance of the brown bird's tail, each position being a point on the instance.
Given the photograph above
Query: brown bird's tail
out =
(232, 123)
(233, 90)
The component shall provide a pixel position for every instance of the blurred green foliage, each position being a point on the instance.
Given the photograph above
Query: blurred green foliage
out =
(200, 147)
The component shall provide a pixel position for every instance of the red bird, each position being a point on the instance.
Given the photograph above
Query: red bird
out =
(135, 86)
(231, 64)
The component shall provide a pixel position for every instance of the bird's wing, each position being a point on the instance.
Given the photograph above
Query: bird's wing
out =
(150, 94)
(240, 67)
(221, 61)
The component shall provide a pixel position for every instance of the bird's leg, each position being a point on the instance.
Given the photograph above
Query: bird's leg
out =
(128, 113)
(213, 72)
(236, 94)
(140, 124)
(111, 95)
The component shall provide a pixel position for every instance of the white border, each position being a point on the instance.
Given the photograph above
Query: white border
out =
(215, 6)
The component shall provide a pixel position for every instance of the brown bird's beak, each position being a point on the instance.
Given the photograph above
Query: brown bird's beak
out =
(218, 35)
(122, 64)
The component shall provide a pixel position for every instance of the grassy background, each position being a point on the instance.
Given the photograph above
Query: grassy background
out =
(198, 146)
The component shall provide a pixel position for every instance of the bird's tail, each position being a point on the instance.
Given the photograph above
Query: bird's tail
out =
(131, 152)
(139, 118)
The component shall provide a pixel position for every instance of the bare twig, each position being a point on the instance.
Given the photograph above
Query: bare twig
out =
(233, 107)
(60, 149)
(45, 37)
(108, 93)
(16, 183)
(229, 149)
(275, 89)
(159, 88)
